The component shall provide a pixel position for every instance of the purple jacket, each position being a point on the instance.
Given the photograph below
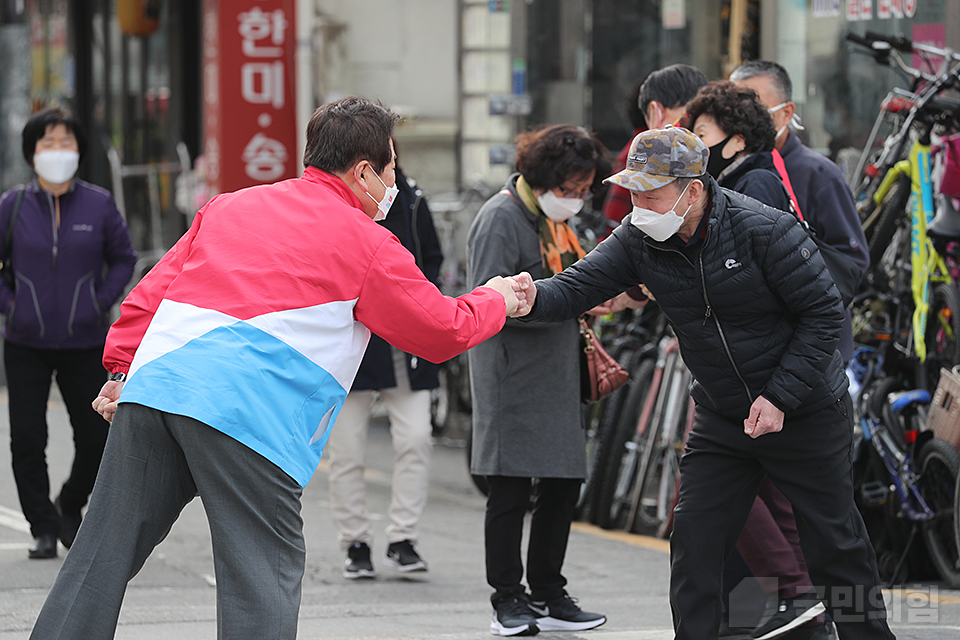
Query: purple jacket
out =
(67, 278)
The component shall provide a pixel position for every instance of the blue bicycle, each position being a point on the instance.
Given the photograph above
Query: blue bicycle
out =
(905, 478)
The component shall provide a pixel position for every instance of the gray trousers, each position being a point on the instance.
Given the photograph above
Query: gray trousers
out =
(153, 465)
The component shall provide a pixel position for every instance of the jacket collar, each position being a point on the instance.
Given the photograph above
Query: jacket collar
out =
(745, 164)
(34, 186)
(334, 184)
(791, 146)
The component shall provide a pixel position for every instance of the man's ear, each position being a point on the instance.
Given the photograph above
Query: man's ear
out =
(789, 109)
(697, 187)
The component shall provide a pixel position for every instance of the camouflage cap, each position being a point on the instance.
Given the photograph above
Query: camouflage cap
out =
(660, 156)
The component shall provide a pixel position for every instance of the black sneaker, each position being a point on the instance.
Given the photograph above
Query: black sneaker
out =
(790, 614)
(512, 617)
(358, 564)
(404, 558)
(563, 614)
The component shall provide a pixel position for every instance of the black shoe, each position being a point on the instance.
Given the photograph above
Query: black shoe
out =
(358, 564)
(404, 558)
(563, 614)
(789, 615)
(512, 617)
(69, 524)
(825, 631)
(44, 546)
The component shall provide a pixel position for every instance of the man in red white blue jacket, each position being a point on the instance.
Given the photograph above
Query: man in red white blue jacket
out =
(234, 355)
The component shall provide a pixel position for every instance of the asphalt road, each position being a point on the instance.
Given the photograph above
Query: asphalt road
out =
(621, 575)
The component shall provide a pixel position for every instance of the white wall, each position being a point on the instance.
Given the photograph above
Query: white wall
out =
(402, 52)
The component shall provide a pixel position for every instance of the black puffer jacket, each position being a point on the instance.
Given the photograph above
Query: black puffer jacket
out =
(754, 308)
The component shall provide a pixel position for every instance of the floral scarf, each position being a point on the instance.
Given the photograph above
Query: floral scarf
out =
(559, 247)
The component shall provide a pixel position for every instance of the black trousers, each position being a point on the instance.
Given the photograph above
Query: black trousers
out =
(810, 461)
(554, 501)
(80, 375)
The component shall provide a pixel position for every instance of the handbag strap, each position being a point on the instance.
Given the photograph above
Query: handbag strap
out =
(8, 239)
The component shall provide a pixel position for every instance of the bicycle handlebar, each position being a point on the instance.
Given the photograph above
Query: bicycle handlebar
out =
(899, 42)
(881, 45)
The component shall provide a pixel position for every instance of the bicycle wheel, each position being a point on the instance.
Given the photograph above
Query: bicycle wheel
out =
(588, 506)
(654, 492)
(611, 506)
(943, 332)
(939, 465)
(892, 210)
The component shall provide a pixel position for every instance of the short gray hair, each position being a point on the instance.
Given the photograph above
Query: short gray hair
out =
(770, 69)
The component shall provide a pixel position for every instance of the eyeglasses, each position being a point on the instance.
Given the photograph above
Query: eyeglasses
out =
(570, 193)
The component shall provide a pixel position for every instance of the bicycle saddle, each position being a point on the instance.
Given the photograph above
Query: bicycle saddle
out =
(903, 399)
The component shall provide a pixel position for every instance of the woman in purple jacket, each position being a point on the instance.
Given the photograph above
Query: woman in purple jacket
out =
(71, 258)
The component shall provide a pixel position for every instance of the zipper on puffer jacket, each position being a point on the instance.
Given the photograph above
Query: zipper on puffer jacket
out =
(709, 311)
(723, 338)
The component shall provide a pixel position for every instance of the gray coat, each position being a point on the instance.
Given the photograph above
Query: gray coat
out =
(526, 379)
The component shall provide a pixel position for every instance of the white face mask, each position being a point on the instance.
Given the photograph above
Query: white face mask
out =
(56, 166)
(794, 120)
(659, 226)
(383, 206)
(559, 209)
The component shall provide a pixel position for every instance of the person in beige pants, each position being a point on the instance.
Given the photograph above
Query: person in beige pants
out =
(404, 383)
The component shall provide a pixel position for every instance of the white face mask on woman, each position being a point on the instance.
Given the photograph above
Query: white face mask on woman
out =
(559, 209)
(56, 166)
(659, 226)
(383, 205)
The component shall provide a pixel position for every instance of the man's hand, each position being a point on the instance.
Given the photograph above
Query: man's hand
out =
(764, 417)
(106, 403)
(510, 289)
(615, 304)
(524, 284)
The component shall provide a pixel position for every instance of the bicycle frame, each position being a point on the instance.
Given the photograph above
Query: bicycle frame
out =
(900, 468)
(927, 264)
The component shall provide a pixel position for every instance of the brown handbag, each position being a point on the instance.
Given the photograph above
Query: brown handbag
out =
(600, 374)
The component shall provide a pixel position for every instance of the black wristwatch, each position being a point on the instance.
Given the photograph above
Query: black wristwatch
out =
(118, 377)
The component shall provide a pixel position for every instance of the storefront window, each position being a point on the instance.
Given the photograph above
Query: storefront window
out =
(838, 88)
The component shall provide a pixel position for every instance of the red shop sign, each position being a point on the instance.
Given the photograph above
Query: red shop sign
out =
(248, 92)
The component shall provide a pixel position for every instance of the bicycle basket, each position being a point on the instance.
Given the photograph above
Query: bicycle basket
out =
(944, 418)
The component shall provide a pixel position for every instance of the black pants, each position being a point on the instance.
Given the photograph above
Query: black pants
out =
(80, 375)
(553, 504)
(810, 461)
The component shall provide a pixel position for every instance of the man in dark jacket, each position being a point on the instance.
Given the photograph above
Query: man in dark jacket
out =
(821, 189)
(404, 382)
(758, 318)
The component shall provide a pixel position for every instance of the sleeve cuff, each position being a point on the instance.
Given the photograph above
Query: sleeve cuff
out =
(637, 294)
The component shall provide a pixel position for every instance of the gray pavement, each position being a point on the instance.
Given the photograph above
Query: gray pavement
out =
(621, 575)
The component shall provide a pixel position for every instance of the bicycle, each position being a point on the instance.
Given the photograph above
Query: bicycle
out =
(891, 181)
(905, 478)
(629, 338)
(641, 487)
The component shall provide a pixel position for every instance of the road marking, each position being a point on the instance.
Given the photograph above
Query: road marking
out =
(633, 539)
(15, 546)
(13, 520)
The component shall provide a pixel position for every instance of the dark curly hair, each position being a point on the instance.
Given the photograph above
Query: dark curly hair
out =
(737, 110)
(549, 156)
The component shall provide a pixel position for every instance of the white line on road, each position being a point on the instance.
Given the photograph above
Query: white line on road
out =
(13, 520)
